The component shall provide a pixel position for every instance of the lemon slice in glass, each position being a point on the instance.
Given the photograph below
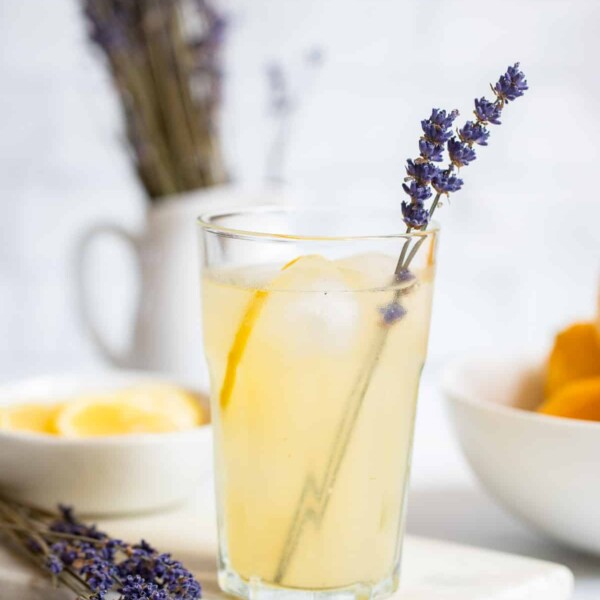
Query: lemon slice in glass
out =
(297, 274)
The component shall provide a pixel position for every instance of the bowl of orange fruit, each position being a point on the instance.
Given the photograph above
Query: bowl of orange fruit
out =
(107, 443)
(530, 430)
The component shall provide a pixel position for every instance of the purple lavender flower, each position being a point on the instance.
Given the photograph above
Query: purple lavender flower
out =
(431, 151)
(422, 172)
(418, 193)
(404, 276)
(109, 33)
(487, 112)
(162, 570)
(65, 552)
(392, 312)
(68, 524)
(180, 584)
(33, 546)
(54, 564)
(67, 513)
(415, 215)
(511, 85)
(442, 119)
(474, 133)
(99, 574)
(216, 24)
(446, 182)
(438, 128)
(136, 588)
(146, 547)
(435, 134)
(460, 154)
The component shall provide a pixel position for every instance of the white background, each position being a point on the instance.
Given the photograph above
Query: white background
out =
(520, 254)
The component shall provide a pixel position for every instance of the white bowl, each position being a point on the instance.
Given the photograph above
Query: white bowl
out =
(99, 476)
(544, 469)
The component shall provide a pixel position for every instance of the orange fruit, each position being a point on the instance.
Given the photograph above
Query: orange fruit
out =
(575, 356)
(578, 400)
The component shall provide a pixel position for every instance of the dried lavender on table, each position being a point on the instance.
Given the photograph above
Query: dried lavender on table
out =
(91, 563)
(165, 60)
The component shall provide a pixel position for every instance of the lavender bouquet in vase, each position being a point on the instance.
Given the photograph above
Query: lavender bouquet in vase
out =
(165, 60)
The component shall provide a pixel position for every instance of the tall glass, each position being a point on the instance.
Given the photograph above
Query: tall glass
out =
(315, 325)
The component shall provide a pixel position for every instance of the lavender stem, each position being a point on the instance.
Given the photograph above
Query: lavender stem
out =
(422, 173)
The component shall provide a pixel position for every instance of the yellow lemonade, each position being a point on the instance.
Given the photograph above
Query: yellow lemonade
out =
(312, 459)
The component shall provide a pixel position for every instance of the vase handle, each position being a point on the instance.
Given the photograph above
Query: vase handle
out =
(81, 292)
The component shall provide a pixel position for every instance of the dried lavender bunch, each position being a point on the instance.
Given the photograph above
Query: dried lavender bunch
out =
(91, 563)
(165, 61)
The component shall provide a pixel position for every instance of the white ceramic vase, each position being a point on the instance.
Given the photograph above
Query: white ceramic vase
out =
(167, 333)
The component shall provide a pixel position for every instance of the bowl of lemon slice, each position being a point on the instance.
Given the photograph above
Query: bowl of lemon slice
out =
(107, 443)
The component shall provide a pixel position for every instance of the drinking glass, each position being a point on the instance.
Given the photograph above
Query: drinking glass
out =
(315, 329)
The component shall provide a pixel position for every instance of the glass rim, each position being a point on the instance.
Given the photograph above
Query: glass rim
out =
(206, 221)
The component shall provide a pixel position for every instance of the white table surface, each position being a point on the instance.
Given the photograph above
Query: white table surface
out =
(446, 502)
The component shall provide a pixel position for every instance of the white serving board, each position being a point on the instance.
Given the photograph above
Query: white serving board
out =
(431, 570)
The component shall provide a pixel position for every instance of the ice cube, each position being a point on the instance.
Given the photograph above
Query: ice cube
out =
(375, 269)
(311, 307)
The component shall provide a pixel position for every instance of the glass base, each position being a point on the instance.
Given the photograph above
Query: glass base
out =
(255, 589)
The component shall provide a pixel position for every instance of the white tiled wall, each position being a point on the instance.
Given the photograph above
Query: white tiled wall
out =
(521, 248)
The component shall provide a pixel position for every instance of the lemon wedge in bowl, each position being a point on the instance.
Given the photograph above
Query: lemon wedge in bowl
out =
(153, 408)
(106, 416)
(175, 403)
(33, 418)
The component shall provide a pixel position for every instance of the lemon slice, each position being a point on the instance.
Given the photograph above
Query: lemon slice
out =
(108, 416)
(251, 315)
(177, 404)
(240, 342)
(242, 336)
(37, 418)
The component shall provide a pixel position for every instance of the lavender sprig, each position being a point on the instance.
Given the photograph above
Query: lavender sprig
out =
(423, 174)
(91, 563)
